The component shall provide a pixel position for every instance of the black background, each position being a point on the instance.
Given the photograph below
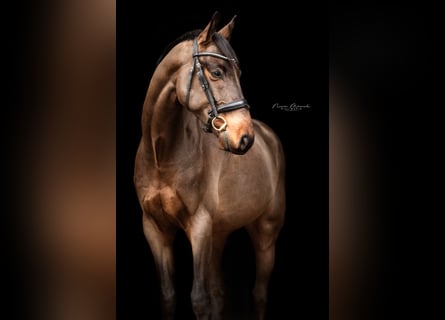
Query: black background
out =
(284, 59)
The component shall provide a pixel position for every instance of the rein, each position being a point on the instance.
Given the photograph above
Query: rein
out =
(214, 117)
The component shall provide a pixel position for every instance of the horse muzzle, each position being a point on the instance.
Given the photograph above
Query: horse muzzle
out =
(241, 147)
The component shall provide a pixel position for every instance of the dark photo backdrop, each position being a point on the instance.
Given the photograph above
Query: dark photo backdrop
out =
(284, 59)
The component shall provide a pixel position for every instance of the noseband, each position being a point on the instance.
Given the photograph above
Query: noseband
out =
(214, 112)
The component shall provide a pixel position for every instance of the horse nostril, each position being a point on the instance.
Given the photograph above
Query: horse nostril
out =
(244, 142)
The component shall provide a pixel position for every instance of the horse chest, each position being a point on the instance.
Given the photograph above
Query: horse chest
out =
(165, 200)
(165, 205)
(168, 204)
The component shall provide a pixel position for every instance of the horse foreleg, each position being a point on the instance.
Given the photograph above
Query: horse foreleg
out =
(215, 281)
(161, 244)
(200, 236)
(263, 233)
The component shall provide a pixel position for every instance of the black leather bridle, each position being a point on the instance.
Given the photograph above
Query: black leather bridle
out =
(214, 112)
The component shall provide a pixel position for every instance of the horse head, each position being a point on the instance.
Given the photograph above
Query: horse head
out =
(209, 87)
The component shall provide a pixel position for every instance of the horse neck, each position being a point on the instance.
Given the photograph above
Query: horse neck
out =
(171, 133)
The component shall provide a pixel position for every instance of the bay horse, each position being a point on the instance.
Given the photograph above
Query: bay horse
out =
(205, 166)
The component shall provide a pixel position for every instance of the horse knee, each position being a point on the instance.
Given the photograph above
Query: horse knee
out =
(200, 302)
(260, 301)
(168, 298)
(217, 297)
(259, 295)
(217, 294)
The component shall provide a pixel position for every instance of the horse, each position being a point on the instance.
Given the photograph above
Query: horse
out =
(205, 166)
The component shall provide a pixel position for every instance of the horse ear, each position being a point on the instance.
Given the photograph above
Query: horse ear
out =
(226, 31)
(206, 35)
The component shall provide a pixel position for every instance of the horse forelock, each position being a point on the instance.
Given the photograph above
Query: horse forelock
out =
(224, 46)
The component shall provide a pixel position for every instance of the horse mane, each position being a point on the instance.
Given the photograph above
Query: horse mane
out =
(222, 44)
(186, 36)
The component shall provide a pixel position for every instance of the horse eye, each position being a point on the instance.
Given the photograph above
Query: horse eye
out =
(216, 73)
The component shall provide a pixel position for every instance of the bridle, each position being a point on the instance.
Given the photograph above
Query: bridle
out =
(214, 112)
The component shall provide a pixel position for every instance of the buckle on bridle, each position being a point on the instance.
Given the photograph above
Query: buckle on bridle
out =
(219, 126)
